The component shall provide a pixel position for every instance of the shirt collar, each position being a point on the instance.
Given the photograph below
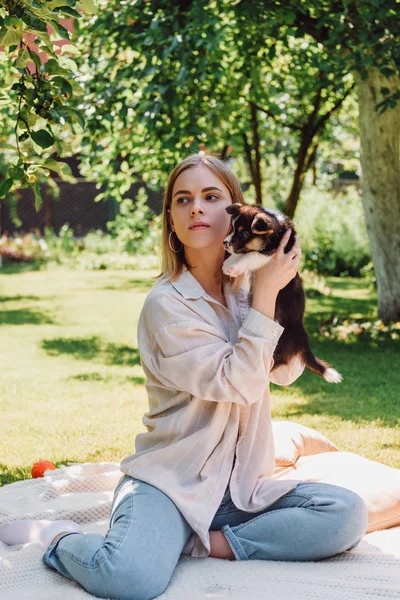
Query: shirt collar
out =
(188, 286)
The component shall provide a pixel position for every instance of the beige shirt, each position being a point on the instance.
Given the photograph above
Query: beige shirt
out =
(208, 373)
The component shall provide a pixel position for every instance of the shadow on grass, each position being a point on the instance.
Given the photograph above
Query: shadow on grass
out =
(348, 283)
(107, 378)
(370, 389)
(19, 298)
(342, 306)
(139, 284)
(25, 316)
(93, 348)
(16, 269)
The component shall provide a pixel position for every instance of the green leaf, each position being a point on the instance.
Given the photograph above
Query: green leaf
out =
(88, 6)
(77, 116)
(4, 98)
(42, 138)
(60, 29)
(23, 58)
(57, 3)
(69, 49)
(53, 68)
(38, 196)
(67, 10)
(64, 85)
(42, 35)
(70, 64)
(35, 58)
(62, 168)
(5, 187)
(9, 37)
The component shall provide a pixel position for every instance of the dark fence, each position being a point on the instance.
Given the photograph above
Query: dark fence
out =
(75, 206)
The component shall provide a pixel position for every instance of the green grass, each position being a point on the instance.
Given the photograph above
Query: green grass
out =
(72, 388)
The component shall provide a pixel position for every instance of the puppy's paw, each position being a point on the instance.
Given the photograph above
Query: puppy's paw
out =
(234, 270)
(332, 376)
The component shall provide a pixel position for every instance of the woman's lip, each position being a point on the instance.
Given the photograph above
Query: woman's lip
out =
(199, 227)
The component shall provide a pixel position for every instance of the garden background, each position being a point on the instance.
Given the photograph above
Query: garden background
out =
(98, 102)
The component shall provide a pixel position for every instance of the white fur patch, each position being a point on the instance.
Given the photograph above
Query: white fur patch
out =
(237, 264)
(332, 376)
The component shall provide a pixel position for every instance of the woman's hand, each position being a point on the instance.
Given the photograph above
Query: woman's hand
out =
(280, 270)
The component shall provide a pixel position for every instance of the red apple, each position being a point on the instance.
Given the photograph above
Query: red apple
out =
(40, 467)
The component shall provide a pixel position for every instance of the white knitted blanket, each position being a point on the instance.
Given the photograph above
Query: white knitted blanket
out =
(84, 493)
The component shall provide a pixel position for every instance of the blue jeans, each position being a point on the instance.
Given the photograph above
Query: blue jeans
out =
(135, 560)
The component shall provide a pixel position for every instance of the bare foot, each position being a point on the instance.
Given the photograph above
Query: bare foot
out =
(58, 536)
(219, 546)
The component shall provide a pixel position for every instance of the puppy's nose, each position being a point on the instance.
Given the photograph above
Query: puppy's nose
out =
(226, 243)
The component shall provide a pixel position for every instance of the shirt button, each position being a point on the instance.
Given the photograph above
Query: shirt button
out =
(275, 333)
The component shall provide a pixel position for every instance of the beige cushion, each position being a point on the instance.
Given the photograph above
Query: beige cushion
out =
(293, 440)
(377, 484)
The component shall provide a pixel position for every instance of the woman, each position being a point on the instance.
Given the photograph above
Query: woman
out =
(201, 481)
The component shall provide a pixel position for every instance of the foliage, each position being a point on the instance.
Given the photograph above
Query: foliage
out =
(136, 227)
(167, 79)
(352, 330)
(20, 249)
(170, 77)
(135, 232)
(357, 35)
(333, 234)
(38, 86)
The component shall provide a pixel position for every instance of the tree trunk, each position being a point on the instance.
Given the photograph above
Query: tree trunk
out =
(256, 146)
(380, 163)
(299, 174)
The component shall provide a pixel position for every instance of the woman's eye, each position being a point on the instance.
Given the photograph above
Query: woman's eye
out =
(179, 201)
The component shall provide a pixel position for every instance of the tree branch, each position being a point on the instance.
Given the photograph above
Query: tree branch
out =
(247, 150)
(324, 118)
(267, 112)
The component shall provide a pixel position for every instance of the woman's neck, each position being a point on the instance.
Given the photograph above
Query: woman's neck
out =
(207, 270)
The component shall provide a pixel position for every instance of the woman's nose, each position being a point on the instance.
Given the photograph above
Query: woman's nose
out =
(196, 207)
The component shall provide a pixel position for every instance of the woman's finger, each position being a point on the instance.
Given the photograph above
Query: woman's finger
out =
(296, 258)
(296, 244)
(284, 241)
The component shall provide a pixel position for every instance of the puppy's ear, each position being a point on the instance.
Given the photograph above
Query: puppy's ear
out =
(262, 224)
(234, 209)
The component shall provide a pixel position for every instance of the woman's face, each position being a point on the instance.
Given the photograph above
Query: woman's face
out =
(199, 195)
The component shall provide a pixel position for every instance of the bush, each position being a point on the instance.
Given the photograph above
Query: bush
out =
(333, 232)
(29, 247)
(137, 228)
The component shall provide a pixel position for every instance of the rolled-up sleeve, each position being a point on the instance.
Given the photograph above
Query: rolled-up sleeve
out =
(193, 355)
(287, 374)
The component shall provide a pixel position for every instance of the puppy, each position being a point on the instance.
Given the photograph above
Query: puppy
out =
(255, 236)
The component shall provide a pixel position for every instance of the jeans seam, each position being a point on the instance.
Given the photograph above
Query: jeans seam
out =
(87, 566)
(119, 484)
(236, 546)
(305, 496)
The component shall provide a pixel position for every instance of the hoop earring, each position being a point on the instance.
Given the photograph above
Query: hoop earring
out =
(169, 242)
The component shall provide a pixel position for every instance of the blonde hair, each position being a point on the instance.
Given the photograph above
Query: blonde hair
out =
(172, 262)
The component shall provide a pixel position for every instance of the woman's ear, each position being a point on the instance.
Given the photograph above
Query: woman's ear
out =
(170, 221)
